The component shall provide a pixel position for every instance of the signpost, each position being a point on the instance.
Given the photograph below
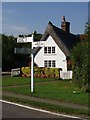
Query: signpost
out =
(22, 50)
(29, 51)
(32, 68)
(39, 44)
(24, 39)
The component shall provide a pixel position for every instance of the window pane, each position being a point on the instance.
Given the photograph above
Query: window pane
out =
(45, 63)
(49, 49)
(53, 63)
(49, 63)
(45, 49)
(53, 49)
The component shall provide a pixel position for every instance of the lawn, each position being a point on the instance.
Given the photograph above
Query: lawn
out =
(47, 88)
(13, 81)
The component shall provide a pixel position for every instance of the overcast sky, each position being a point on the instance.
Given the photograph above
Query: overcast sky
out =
(26, 17)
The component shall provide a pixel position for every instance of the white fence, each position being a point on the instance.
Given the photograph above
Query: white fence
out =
(15, 72)
(66, 75)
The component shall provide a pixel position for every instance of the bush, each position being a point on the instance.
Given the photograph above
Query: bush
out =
(88, 89)
(41, 72)
(79, 57)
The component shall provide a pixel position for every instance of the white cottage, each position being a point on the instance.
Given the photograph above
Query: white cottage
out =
(56, 51)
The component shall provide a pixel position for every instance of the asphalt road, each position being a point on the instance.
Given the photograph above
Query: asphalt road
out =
(15, 111)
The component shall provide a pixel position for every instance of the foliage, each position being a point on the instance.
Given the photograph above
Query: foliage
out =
(87, 28)
(11, 60)
(79, 58)
(26, 71)
(8, 43)
(37, 36)
(42, 72)
(0, 50)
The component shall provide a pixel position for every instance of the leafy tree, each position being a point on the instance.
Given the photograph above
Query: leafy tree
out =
(11, 60)
(37, 36)
(0, 51)
(87, 31)
(8, 43)
(87, 28)
(79, 57)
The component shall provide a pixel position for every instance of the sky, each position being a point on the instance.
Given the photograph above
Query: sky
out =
(27, 17)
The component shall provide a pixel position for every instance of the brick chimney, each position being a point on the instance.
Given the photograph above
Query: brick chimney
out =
(65, 25)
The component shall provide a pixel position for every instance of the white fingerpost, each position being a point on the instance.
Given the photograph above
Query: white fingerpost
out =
(26, 51)
(32, 68)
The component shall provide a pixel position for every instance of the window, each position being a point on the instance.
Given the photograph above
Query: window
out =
(53, 63)
(45, 49)
(53, 49)
(45, 63)
(49, 50)
(49, 63)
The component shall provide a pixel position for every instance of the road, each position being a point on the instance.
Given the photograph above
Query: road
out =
(14, 111)
(10, 110)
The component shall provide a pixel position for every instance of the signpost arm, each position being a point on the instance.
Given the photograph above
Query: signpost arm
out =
(32, 68)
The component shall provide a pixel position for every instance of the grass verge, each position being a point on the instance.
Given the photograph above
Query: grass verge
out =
(12, 81)
(50, 107)
(49, 88)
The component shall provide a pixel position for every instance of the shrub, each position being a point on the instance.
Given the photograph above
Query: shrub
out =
(41, 72)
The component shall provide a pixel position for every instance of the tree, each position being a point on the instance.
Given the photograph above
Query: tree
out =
(8, 43)
(37, 36)
(87, 28)
(80, 57)
(87, 31)
(11, 60)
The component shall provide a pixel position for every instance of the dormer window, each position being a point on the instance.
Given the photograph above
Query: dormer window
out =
(49, 50)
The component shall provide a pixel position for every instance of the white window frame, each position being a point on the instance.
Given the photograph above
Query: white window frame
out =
(50, 63)
(50, 50)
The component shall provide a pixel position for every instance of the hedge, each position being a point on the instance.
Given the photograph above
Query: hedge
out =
(41, 72)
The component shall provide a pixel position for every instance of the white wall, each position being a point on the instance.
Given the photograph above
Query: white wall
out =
(59, 56)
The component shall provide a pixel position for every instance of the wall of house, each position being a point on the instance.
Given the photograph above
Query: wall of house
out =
(59, 56)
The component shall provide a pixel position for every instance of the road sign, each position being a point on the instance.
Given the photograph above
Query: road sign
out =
(22, 50)
(39, 44)
(24, 39)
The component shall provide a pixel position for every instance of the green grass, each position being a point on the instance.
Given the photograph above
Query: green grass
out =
(11, 81)
(55, 89)
(47, 106)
